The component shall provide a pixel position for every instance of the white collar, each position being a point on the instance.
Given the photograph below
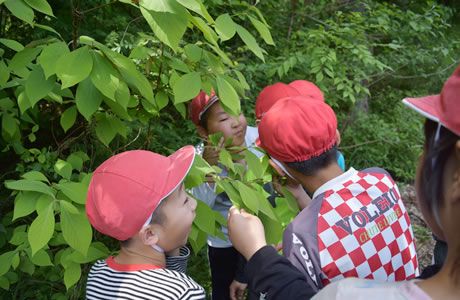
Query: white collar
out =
(334, 182)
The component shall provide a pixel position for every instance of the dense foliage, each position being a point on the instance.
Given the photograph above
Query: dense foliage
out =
(83, 80)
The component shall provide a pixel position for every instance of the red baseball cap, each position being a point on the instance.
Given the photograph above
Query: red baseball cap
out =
(443, 108)
(296, 130)
(200, 104)
(126, 189)
(308, 89)
(270, 95)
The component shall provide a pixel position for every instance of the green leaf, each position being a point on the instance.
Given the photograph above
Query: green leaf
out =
(42, 228)
(186, 87)
(35, 175)
(74, 67)
(29, 185)
(88, 98)
(19, 235)
(72, 274)
(197, 239)
(37, 86)
(198, 7)
(68, 118)
(15, 261)
(63, 168)
(227, 95)
(4, 73)
(50, 55)
(273, 230)
(76, 161)
(12, 44)
(20, 10)
(242, 80)
(41, 258)
(193, 52)
(249, 197)
(41, 6)
(250, 41)
(225, 27)
(105, 131)
(96, 251)
(25, 204)
(122, 95)
(162, 100)
(254, 164)
(208, 33)
(75, 191)
(4, 283)
(47, 28)
(204, 219)
(5, 261)
(263, 30)
(168, 27)
(9, 125)
(75, 227)
(22, 59)
(104, 76)
(226, 159)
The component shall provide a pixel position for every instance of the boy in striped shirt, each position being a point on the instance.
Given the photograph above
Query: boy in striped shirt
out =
(138, 198)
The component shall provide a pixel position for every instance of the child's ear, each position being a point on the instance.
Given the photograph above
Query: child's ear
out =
(148, 236)
(338, 137)
(202, 132)
(277, 168)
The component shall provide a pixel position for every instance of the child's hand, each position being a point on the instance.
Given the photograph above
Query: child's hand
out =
(294, 188)
(237, 290)
(246, 232)
(211, 153)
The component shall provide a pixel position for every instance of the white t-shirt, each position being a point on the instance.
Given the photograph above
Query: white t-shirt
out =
(365, 289)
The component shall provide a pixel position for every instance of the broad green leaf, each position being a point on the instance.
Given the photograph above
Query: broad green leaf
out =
(75, 191)
(15, 261)
(9, 125)
(117, 109)
(43, 202)
(41, 258)
(23, 102)
(75, 227)
(50, 55)
(161, 100)
(122, 95)
(19, 235)
(74, 67)
(264, 205)
(250, 41)
(204, 219)
(35, 175)
(41, 6)
(168, 27)
(88, 98)
(226, 159)
(197, 239)
(249, 197)
(225, 27)
(25, 204)
(68, 118)
(96, 251)
(208, 33)
(242, 80)
(273, 230)
(72, 274)
(76, 161)
(194, 53)
(186, 87)
(63, 168)
(42, 228)
(5, 261)
(47, 28)
(254, 164)
(12, 44)
(4, 73)
(22, 59)
(30, 185)
(263, 30)
(4, 283)
(104, 76)
(198, 7)
(37, 86)
(105, 131)
(20, 10)
(227, 95)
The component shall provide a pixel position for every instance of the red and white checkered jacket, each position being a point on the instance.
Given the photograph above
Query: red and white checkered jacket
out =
(355, 226)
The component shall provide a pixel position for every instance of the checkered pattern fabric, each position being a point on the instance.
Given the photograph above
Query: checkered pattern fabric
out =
(364, 231)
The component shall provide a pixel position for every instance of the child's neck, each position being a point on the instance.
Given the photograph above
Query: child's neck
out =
(312, 183)
(143, 255)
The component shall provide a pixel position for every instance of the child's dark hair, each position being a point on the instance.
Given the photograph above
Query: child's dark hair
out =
(158, 217)
(310, 166)
(204, 119)
(437, 152)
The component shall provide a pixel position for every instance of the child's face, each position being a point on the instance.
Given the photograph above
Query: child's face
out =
(179, 210)
(233, 127)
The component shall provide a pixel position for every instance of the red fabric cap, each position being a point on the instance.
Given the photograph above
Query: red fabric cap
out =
(308, 89)
(200, 104)
(443, 108)
(296, 130)
(126, 189)
(270, 95)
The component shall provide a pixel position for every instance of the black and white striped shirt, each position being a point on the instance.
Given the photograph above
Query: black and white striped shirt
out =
(109, 280)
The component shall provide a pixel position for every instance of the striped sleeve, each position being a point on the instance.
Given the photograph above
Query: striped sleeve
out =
(178, 263)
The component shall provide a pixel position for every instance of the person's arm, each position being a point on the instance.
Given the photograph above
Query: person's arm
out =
(272, 275)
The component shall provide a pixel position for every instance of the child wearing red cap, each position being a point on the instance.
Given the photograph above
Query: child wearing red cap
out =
(138, 198)
(356, 224)
(227, 265)
(438, 193)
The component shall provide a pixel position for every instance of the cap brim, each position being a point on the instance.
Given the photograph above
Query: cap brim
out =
(181, 163)
(426, 106)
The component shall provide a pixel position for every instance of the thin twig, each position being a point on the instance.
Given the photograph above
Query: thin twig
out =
(97, 7)
(127, 26)
(124, 147)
